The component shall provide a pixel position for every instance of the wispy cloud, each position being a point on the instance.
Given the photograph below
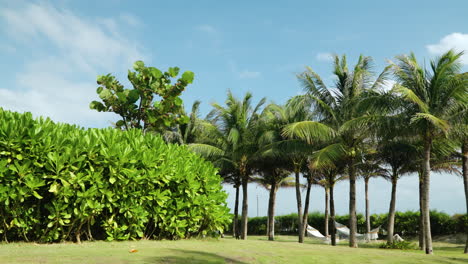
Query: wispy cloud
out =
(456, 41)
(324, 56)
(206, 28)
(242, 74)
(249, 74)
(67, 52)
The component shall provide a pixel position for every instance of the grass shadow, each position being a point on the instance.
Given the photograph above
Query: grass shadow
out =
(191, 256)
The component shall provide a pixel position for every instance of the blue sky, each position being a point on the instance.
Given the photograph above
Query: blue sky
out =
(52, 51)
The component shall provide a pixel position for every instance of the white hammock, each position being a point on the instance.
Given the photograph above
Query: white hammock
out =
(315, 233)
(373, 234)
(344, 231)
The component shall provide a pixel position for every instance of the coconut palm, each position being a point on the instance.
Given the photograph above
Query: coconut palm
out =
(272, 177)
(371, 167)
(460, 134)
(294, 151)
(186, 133)
(329, 177)
(398, 155)
(234, 141)
(431, 96)
(335, 107)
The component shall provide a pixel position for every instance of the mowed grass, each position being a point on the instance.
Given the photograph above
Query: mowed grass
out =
(227, 250)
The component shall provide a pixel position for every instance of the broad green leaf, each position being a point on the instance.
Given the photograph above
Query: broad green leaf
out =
(138, 65)
(188, 76)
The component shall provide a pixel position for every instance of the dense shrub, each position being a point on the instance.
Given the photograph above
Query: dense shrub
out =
(405, 245)
(406, 223)
(61, 182)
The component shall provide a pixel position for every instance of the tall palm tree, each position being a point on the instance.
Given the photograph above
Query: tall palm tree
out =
(371, 167)
(398, 155)
(460, 134)
(234, 141)
(272, 177)
(292, 150)
(336, 106)
(430, 96)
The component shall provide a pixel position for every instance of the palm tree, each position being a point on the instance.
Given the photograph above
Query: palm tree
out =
(430, 96)
(186, 133)
(272, 177)
(371, 167)
(292, 150)
(460, 134)
(234, 141)
(327, 178)
(335, 107)
(399, 156)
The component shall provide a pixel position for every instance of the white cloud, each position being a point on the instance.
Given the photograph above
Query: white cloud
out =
(67, 53)
(249, 74)
(206, 28)
(324, 56)
(456, 41)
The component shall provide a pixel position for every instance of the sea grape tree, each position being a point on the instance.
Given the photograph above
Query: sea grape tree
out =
(153, 104)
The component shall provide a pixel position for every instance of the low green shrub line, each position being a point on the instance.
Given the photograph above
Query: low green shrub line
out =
(406, 223)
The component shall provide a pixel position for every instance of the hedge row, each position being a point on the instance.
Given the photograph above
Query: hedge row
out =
(61, 182)
(406, 223)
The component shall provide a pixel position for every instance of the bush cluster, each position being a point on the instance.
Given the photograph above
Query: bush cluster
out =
(406, 223)
(61, 182)
(405, 245)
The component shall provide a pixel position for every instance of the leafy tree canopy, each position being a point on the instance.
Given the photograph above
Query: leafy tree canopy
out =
(153, 103)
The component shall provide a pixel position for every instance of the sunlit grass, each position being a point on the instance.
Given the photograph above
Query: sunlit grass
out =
(255, 250)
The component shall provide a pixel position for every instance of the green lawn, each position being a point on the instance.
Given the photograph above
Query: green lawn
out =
(227, 250)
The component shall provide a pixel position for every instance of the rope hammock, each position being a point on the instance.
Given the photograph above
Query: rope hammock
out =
(345, 232)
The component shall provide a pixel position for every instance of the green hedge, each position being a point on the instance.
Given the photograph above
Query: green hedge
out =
(406, 223)
(61, 182)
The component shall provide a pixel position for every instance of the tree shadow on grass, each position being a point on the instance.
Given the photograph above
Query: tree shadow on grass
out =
(190, 256)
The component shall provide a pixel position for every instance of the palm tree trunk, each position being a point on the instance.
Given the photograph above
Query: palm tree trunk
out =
(299, 208)
(391, 210)
(368, 224)
(271, 211)
(332, 215)
(352, 205)
(306, 208)
(426, 188)
(465, 182)
(422, 239)
(244, 208)
(235, 225)
(327, 202)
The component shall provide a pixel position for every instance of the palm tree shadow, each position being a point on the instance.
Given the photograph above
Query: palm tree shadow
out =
(191, 256)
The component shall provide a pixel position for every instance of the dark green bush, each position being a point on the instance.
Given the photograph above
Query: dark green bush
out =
(405, 245)
(406, 223)
(61, 182)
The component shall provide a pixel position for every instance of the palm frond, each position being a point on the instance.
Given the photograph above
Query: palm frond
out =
(309, 131)
(328, 156)
(412, 97)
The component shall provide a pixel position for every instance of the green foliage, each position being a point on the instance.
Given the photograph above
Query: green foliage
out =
(406, 223)
(404, 245)
(153, 103)
(61, 182)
